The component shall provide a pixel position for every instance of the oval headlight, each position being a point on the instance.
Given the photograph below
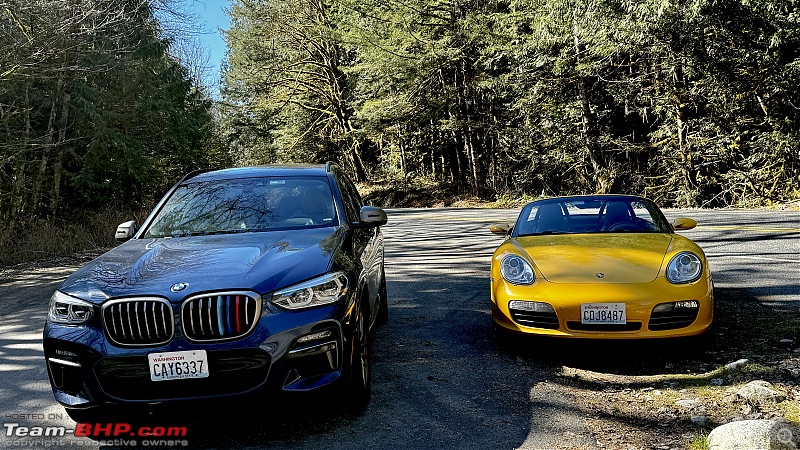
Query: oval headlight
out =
(516, 270)
(684, 267)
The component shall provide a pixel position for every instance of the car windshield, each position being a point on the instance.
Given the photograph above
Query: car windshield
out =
(245, 205)
(600, 214)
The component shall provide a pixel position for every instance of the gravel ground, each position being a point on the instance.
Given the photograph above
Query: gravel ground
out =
(440, 379)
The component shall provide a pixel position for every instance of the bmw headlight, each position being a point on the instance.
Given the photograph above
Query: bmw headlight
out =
(69, 310)
(516, 270)
(684, 267)
(318, 291)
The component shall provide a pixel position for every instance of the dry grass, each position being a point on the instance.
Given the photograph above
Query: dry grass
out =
(50, 238)
(431, 194)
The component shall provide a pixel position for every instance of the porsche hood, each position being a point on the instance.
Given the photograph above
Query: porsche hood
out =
(598, 258)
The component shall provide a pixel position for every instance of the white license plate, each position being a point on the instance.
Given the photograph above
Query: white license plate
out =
(178, 365)
(603, 313)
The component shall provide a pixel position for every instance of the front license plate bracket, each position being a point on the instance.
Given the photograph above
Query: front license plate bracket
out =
(178, 365)
(603, 313)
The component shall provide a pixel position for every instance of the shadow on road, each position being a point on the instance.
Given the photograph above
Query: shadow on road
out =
(440, 380)
(744, 328)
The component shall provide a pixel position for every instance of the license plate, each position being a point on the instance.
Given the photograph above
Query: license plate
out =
(178, 365)
(603, 313)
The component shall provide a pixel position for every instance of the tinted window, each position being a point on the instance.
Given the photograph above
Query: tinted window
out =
(350, 197)
(245, 205)
(591, 215)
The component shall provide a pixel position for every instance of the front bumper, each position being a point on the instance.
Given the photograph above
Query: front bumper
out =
(639, 299)
(85, 369)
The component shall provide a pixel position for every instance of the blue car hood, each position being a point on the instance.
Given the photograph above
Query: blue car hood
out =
(262, 262)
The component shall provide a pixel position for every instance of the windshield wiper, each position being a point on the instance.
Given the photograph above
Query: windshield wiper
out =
(211, 233)
(544, 233)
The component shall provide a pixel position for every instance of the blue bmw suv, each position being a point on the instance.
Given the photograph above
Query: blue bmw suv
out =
(241, 281)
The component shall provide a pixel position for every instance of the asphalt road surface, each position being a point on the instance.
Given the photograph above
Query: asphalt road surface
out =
(439, 379)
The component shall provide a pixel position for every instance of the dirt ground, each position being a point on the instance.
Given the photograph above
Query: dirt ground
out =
(639, 395)
(671, 394)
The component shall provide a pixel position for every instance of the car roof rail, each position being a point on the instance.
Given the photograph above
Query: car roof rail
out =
(193, 174)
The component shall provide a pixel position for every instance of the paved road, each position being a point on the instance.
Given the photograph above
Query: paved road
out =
(439, 380)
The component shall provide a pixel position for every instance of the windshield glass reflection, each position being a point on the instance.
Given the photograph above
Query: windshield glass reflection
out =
(245, 205)
(597, 214)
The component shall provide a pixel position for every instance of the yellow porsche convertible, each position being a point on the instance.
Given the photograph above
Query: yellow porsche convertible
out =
(599, 266)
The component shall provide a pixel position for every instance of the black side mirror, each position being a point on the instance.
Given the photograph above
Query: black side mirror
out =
(126, 230)
(370, 217)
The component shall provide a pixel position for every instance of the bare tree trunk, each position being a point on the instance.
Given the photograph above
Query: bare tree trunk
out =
(358, 165)
(18, 193)
(60, 145)
(433, 163)
(47, 148)
(590, 129)
(473, 158)
(402, 153)
(686, 167)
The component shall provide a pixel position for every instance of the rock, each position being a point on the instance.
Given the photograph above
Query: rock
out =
(737, 364)
(760, 392)
(754, 435)
(716, 381)
(688, 404)
(699, 420)
(730, 398)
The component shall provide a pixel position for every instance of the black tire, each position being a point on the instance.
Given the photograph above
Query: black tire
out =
(383, 302)
(358, 390)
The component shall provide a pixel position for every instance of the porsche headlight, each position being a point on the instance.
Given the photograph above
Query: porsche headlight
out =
(318, 291)
(684, 267)
(516, 270)
(69, 310)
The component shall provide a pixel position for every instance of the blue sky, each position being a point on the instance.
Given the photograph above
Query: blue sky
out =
(213, 16)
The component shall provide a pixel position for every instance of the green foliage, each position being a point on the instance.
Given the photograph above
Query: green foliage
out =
(93, 109)
(691, 103)
(699, 443)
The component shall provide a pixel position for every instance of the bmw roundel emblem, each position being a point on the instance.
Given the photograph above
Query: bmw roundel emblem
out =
(177, 287)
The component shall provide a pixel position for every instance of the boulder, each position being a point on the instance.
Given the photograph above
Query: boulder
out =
(754, 435)
(699, 420)
(760, 392)
(737, 364)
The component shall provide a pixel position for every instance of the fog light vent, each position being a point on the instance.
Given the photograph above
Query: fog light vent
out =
(673, 315)
(314, 336)
(533, 314)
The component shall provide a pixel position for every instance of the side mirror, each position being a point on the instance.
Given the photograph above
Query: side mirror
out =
(502, 229)
(126, 230)
(370, 217)
(683, 223)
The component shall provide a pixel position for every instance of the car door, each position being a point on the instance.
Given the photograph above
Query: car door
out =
(367, 243)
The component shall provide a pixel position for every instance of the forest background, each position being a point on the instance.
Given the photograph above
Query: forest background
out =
(692, 103)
